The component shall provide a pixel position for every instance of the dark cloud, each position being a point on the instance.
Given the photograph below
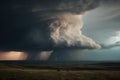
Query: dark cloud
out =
(24, 24)
(39, 26)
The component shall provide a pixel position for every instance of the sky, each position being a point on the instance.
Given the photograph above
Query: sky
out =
(103, 26)
(69, 31)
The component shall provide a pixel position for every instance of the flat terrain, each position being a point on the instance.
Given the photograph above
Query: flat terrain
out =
(30, 74)
(16, 72)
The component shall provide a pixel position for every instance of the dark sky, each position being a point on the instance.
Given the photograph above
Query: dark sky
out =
(43, 28)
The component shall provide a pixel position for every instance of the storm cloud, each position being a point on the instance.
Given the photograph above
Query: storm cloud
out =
(45, 25)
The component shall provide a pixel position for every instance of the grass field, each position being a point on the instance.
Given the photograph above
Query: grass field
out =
(16, 72)
(46, 74)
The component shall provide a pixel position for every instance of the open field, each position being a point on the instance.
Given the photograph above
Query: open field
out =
(16, 72)
(32, 74)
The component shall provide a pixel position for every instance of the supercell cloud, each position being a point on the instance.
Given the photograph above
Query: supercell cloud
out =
(44, 25)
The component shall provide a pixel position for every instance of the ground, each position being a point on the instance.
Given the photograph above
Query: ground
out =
(18, 72)
(46, 74)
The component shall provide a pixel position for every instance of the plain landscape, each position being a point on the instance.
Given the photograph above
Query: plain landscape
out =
(25, 70)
